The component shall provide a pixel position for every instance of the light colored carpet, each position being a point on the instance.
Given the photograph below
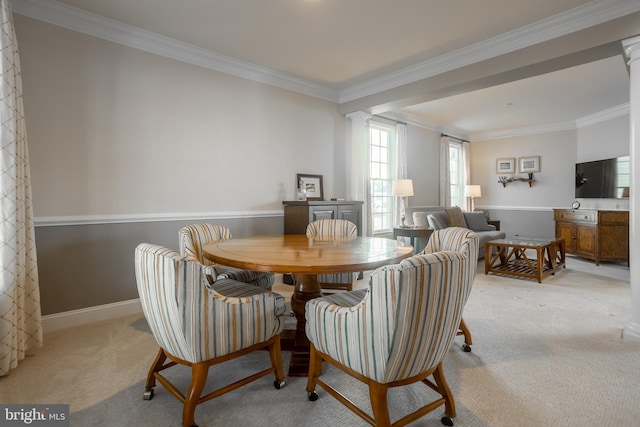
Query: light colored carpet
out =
(543, 354)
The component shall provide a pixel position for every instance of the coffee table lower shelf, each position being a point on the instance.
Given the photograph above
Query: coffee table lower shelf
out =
(511, 258)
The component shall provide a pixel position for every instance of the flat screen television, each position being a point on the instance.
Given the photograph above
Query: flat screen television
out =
(603, 179)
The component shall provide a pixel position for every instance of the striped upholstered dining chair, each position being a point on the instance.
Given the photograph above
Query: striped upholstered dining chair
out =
(193, 237)
(334, 229)
(199, 324)
(394, 333)
(456, 239)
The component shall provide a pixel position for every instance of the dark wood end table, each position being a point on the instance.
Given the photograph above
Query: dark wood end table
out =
(495, 223)
(412, 232)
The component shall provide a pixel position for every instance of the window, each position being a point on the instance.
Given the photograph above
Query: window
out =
(456, 174)
(382, 171)
(623, 176)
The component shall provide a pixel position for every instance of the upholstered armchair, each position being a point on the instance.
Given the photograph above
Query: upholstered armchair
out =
(334, 229)
(199, 324)
(458, 239)
(393, 333)
(193, 237)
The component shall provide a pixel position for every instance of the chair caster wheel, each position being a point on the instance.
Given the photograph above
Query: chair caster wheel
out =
(446, 421)
(313, 396)
(148, 394)
(466, 348)
(279, 384)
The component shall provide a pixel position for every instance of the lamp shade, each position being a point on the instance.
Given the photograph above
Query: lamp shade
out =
(402, 187)
(472, 191)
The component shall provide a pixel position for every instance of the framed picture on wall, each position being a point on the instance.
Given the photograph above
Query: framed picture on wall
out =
(529, 164)
(506, 165)
(312, 184)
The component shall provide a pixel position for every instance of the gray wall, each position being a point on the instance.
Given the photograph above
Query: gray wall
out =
(89, 265)
(423, 165)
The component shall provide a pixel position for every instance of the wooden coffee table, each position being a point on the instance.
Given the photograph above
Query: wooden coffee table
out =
(511, 257)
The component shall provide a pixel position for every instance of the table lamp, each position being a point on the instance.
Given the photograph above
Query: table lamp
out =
(402, 188)
(472, 191)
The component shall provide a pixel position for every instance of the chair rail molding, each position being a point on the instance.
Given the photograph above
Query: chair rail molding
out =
(50, 221)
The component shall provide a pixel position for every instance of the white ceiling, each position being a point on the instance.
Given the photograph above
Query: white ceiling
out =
(342, 44)
(546, 102)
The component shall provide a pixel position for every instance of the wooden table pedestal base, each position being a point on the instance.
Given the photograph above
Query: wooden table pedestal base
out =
(306, 288)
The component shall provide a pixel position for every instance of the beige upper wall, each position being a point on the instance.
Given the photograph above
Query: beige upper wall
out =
(554, 183)
(559, 152)
(117, 131)
(604, 140)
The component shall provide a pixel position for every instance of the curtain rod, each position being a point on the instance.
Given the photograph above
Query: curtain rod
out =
(459, 139)
(391, 120)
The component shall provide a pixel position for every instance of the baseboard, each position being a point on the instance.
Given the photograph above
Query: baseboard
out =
(68, 319)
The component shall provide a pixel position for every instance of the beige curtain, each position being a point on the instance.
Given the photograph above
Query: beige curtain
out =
(20, 322)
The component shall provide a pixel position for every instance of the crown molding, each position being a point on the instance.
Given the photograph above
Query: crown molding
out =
(421, 122)
(579, 18)
(76, 19)
(533, 130)
(79, 20)
(604, 115)
(601, 116)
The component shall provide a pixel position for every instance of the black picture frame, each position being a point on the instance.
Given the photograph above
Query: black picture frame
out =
(313, 185)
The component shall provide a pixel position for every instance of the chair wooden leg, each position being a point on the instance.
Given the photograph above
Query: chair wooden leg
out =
(466, 332)
(315, 368)
(443, 389)
(199, 372)
(155, 367)
(378, 396)
(276, 360)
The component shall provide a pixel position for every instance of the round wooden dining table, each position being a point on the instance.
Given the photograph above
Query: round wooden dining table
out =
(305, 258)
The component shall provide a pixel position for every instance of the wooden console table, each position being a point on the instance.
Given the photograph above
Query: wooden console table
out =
(600, 235)
(298, 214)
(511, 257)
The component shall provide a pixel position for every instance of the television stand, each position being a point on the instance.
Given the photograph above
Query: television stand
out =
(600, 235)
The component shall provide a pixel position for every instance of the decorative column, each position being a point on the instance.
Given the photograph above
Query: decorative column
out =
(358, 163)
(632, 51)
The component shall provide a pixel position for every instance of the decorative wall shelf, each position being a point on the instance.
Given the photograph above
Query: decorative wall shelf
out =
(504, 180)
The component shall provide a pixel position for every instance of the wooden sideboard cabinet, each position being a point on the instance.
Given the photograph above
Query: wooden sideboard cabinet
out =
(600, 235)
(299, 214)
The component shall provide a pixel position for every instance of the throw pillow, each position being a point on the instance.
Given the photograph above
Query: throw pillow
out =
(434, 222)
(456, 218)
(442, 218)
(420, 219)
(476, 221)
